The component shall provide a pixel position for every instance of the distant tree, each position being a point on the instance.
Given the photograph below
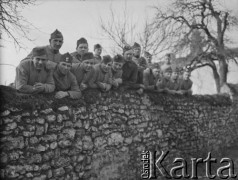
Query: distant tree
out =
(121, 30)
(186, 21)
(12, 23)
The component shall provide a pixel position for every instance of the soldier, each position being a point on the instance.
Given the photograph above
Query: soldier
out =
(102, 76)
(52, 50)
(65, 82)
(148, 58)
(163, 82)
(81, 50)
(140, 61)
(83, 71)
(116, 69)
(185, 85)
(150, 77)
(32, 76)
(97, 53)
(173, 84)
(167, 61)
(130, 71)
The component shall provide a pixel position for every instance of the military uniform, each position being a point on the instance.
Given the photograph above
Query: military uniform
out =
(115, 75)
(99, 76)
(173, 85)
(81, 75)
(129, 72)
(185, 84)
(149, 80)
(27, 75)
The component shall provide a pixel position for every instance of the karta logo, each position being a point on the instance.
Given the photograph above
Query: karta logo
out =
(180, 167)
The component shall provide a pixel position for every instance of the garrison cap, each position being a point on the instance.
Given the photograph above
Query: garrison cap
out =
(56, 34)
(126, 48)
(81, 41)
(87, 56)
(39, 51)
(136, 45)
(118, 58)
(97, 46)
(106, 59)
(66, 58)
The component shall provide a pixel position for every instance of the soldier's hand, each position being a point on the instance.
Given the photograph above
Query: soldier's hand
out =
(108, 87)
(61, 94)
(83, 86)
(39, 87)
(119, 80)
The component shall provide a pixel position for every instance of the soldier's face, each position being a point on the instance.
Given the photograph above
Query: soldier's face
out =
(87, 65)
(137, 51)
(167, 59)
(56, 43)
(64, 67)
(186, 75)
(128, 55)
(117, 66)
(98, 51)
(156, 72)
(82, 48)
(167, 75)
(39, 62)
(106, 66)
(174, 75)
(148, 58)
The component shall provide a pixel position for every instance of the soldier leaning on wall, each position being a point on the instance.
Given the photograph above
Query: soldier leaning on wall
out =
(32, 76)
(116, 70)
(150, 77)
(65, 82)
(163, 82)
(84, 70)
(185, 84)
(102, 76)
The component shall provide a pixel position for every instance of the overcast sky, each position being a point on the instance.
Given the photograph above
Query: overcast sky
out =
(75, 19)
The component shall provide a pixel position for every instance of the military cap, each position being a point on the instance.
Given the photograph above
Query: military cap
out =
(56, 34)
(66, 58)
(118, 58)
(87, 56)
(81, 41)
(106, 59)
(136, 45)
(146, 53)
(126, 48)
(97, 46)
(39, 51)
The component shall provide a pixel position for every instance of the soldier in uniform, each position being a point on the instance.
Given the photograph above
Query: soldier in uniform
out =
(65, 82)
(173, 84)
(32, 76)
(150, 77)
(83, 71)
(140, 61)
(102, 76)
(162, 84)
(148, 58)
(97, 53)
(52, 50)
(81, 50)
(116, 69)
(167, 61)
(185, 84)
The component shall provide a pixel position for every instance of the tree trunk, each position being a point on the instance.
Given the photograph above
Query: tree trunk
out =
(223, 70)
(217, 80)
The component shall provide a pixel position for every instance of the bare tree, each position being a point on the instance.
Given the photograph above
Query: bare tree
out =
(208, 16)
(12, 23)
(121, 30)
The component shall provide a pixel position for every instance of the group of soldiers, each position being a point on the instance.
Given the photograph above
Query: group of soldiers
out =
(46, 70)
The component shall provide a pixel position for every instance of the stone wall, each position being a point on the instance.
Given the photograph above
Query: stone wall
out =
(103, 135)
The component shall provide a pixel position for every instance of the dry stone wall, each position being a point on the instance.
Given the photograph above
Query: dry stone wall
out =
(103, 136)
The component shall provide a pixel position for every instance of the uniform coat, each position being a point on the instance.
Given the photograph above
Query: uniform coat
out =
(27, 75)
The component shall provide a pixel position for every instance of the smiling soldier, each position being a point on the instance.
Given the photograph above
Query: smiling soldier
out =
(52, 50)
(102, 76)
(84, 70)
(65, 82)
(32, 75)
(116, 69)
